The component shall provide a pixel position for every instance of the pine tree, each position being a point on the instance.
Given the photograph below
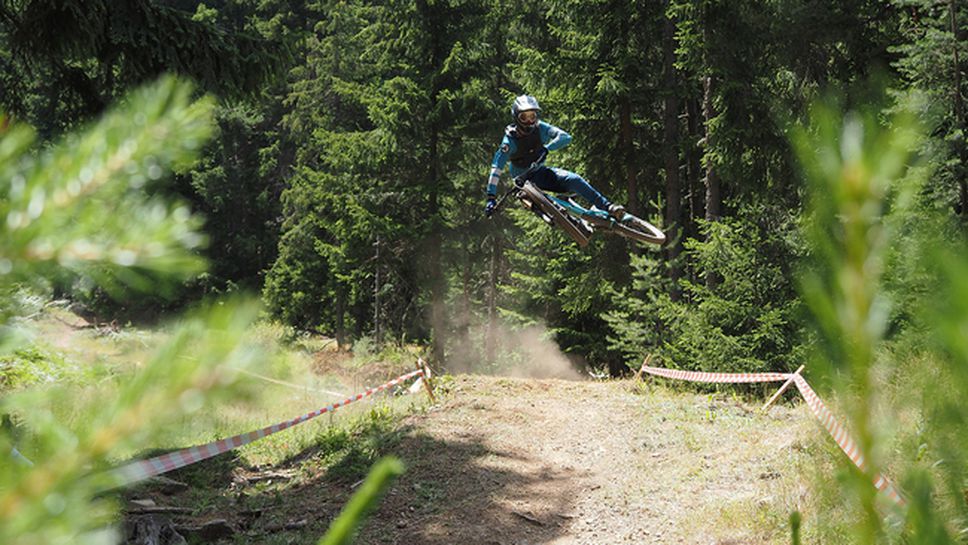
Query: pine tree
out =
(602, 88)
(96, 49)
(931, 63)
(392, 97)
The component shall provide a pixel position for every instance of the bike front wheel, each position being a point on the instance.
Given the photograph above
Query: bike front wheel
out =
(571, 226)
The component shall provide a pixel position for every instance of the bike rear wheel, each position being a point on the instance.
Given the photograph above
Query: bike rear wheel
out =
(578, 232)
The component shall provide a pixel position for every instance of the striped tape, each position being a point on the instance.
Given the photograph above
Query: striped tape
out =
(698, 376)
(817, 407)
(143, 469)
(842, 437)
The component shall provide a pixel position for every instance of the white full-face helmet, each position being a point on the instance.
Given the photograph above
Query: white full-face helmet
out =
(526, 112)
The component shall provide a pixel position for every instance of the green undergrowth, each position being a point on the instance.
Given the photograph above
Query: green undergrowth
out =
(342, 450)
(88, 363)
(366, 351)
(32, 366)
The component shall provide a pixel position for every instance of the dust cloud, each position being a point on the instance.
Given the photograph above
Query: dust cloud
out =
(525, 352)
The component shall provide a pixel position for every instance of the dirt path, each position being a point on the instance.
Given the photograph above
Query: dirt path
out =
(520, 461)
(508, 461)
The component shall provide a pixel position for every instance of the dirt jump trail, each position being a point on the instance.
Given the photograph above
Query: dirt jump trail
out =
(522, 461)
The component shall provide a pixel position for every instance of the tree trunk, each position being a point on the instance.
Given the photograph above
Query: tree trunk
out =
(713, 190)
(438, 315)
(377, 332)
(959, 113)
(359, 311)
(626, 129)
(670, 152)
(628, 150)
(438, 288)
(490, 339)
(697, 194)
(340, 316)
(465, 298)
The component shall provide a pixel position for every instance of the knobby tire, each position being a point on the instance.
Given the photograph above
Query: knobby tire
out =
(641, 230)
(557, 216)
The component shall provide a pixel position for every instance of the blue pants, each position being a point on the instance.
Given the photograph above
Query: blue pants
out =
(563, 181)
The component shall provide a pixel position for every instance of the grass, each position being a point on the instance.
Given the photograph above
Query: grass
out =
(31, 366)
(907, 377)
(67, 350)
(299, 375)
(806, 475)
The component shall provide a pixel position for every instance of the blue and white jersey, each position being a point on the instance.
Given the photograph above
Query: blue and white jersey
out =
(551, 137)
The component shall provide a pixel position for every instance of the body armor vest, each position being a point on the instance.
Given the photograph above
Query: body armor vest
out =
(528, 146)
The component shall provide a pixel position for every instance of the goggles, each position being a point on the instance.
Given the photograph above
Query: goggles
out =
(528, 117)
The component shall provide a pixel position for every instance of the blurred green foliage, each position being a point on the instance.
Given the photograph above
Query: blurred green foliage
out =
(877, 239)
(343, 529)
(84, 207)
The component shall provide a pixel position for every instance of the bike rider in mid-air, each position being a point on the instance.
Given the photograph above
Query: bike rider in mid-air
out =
(528, 140)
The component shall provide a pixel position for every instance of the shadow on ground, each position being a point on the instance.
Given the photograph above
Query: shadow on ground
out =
(452, 492)
(457, 492)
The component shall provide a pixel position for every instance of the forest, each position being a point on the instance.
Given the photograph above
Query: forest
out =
(342, 180)
(346, 179)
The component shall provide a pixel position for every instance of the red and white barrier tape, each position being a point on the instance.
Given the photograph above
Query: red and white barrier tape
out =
(819, 410)
(698, 376)
(143, 469)
(842, 437)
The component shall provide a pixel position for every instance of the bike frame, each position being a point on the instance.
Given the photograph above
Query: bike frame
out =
(578, 210)
(581, 222)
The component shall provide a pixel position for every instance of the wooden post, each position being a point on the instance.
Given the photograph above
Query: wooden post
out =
(426, 379)
(645, 362)
(782, 388)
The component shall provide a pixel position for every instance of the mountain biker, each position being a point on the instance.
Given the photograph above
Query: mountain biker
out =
(527, 141)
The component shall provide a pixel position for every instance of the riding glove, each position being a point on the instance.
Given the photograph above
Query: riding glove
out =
(491, 205)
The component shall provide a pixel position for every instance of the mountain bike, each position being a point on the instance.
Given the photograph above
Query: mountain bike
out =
(576, 221)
